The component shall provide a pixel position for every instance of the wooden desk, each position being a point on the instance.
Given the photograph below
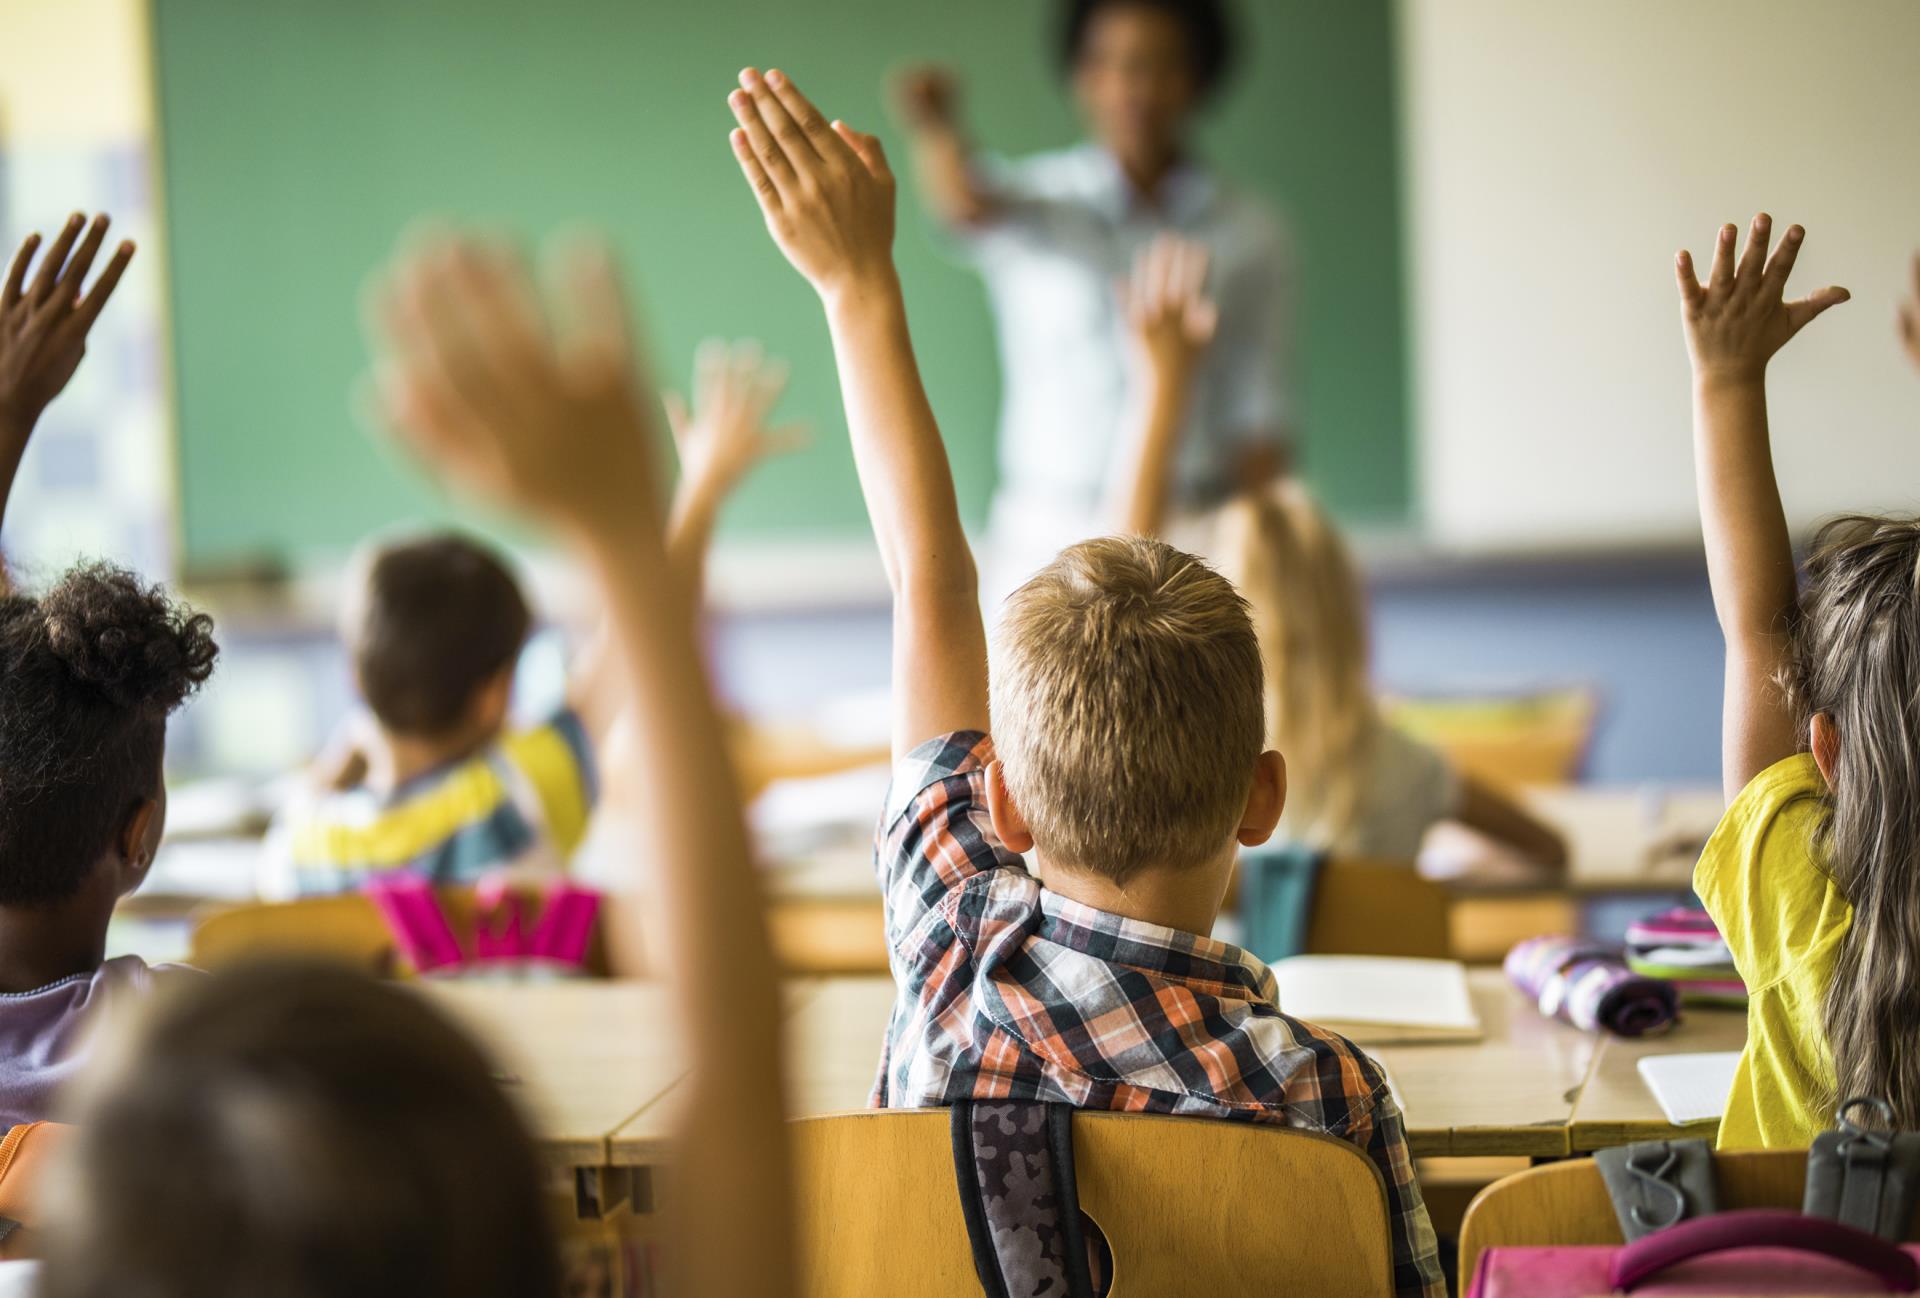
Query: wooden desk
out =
(583, 1056)
(1615, 1106)
(1511, 1093)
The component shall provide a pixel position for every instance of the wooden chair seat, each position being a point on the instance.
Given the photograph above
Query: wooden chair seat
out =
(1187, 1205)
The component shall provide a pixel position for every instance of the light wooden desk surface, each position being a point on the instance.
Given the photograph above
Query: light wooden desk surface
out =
(598, 1065)
(1616, 1108)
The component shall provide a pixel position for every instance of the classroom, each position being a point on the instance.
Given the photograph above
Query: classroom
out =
(1048, 647)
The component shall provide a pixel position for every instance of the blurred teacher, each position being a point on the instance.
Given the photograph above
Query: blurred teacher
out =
(1053, 234)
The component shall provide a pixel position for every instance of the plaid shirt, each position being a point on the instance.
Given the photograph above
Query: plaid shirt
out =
(1008, 990)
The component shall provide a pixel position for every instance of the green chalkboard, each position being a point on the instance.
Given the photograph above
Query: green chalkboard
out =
(300, 137)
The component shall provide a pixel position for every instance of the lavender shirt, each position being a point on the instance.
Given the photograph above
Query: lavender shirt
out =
(43, 1032)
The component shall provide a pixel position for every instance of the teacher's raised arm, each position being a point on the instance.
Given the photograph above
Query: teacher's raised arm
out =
(1054, 233)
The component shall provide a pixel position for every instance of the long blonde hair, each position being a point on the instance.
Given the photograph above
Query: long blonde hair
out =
(1857, 659)
(1289, 562)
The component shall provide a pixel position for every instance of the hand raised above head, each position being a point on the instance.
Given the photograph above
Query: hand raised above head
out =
(824, 188)
(1740, 317)
(925, 94)
(1169, 312)
(725, 432)
(549, 417)
(44, 324)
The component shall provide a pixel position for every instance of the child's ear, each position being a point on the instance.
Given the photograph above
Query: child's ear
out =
(1265, 800)
(139, 839)
(1826, 745)
(494, 699)
(1008, 823)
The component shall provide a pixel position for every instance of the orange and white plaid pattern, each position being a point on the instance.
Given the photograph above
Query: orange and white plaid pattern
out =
(1009, 991)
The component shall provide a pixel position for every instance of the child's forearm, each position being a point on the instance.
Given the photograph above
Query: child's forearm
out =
(1749, 550)
(897, 450)
(696, 506)
(943, 160)
(1145, 484)
(729, 1000)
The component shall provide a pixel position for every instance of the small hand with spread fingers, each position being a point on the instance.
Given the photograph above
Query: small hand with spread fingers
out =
(1169, 314)
(547, 416)
(44, 324)
(725, 433)
(1740, 317)
(824, 188)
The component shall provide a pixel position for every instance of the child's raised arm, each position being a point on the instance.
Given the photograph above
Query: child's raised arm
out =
(1734, 325)
(926, 99)
(43, 329)
(1171, 320)
(720, 437)
(476, 382)
(827, 196)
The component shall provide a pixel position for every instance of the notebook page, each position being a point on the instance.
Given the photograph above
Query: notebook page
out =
(1377, 989)
(1690, 1088)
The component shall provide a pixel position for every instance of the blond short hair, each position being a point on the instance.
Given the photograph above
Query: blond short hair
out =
(1127, 708)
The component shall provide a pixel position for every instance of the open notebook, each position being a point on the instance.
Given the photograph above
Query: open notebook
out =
(1690, 1088)
(1378, 1000)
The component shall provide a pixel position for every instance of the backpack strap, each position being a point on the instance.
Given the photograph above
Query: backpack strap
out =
(1013, 1166)
(1865, 1177)
(1658, 1183)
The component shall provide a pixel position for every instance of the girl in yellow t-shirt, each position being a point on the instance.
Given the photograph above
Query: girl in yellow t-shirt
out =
(1814, 874)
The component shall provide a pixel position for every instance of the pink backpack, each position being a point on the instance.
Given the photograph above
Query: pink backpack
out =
(1752, 1253)
(506, 938)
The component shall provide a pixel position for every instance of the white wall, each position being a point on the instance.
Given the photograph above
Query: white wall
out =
(1558, 154)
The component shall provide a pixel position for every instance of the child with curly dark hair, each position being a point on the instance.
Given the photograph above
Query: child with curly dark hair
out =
(90, 669)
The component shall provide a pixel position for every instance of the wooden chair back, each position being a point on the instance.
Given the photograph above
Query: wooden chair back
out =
(1187, 1205)
(1377, 908)
(344, 928)
(1566, 1203)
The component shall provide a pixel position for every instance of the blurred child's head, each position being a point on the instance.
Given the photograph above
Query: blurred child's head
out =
(1855, 683)
(435, 628)
(1287, 559)
(1127, 713)
(299, 1131)
(1140, 67)
(89, 672)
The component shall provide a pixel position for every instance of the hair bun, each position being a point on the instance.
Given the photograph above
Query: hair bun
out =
(125, 639)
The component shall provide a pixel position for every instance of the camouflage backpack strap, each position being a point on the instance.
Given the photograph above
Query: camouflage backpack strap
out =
(1013, 1161)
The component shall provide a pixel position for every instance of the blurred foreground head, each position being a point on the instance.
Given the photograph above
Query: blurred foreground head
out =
(300, 1131)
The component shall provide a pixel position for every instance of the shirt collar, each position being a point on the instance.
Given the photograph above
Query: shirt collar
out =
(1187, 192)
(1204, 963)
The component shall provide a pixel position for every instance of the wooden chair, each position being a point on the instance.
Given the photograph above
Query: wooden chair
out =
(344, 928)
(1566, 1203)
(1375, 908)
(1188, 1206)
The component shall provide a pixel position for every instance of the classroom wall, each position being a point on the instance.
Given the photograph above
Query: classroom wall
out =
(301, 138)
(1557, 156)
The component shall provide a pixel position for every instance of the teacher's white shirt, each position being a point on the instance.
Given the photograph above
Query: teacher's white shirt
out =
(1067, 228)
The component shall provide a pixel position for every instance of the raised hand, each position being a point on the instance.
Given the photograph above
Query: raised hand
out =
(1910, 315)
(725, 433)
(1740, 317)
(546, 417)
(1169, 315)
(926, 95)
(825, 189)
(44, 324)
